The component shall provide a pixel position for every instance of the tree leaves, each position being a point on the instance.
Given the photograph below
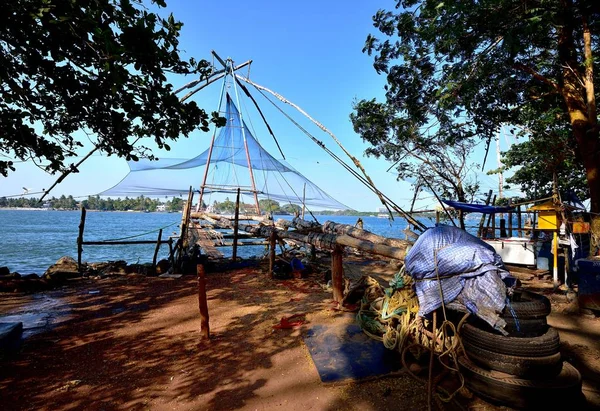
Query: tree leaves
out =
(94, 65)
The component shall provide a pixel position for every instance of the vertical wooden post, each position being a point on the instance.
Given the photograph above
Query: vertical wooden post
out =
(519, 222)
(555, 259)
(235, 226)
(493, 225)
(487, 202)
(171, 253)
(337, 273)
(80, 238)
(272, 245)
(490, 217)
(502, 228)
(437, 217)
(158, 242)
(202, 302)
(510, 218)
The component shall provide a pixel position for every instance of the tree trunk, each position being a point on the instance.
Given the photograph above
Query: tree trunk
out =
(581, 106)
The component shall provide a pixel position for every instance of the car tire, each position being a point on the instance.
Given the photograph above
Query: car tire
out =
(561, 392)
(541, 346)
(524, 367)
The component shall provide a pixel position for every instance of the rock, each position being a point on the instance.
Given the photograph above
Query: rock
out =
(4, 271)
(64, 269)
(162, 267)
(10, 276)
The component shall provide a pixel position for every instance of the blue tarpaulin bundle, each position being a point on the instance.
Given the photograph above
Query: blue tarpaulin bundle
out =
(471, 273)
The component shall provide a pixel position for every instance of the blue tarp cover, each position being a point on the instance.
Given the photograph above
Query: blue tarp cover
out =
(471, 272)
(477, 208)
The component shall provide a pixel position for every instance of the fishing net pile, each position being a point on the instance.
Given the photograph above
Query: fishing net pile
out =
(235, 158)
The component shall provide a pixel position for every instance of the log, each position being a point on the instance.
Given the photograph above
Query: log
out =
(328, 241)
(301, 224)
(335, 228)
(204, 215)
(202, 302)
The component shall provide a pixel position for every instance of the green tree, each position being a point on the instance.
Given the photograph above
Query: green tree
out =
(93, 65)
(291, 208)
(268, 206)
(459, 70)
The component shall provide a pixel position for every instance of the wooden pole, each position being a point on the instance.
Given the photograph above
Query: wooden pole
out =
(490, 217)
(493, 215)
(503, 228)
(272, 245)
(202, 302)
(303, 200)
(487, 202)
(519, 223)
(80, 238)
(235, 226)
(337, 273)
(510, 222)
(555, 259)
(158, 242)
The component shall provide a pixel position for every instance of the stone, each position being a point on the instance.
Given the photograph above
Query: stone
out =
(4, 271)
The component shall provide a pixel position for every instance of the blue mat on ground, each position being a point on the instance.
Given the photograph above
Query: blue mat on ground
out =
(343, 352)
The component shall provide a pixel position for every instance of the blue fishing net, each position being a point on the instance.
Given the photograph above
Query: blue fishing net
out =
(233, 150)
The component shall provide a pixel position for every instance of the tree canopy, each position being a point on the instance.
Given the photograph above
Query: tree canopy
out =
(459, 70)
(96, 66)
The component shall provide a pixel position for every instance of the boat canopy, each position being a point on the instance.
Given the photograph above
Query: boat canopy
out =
(478, 208)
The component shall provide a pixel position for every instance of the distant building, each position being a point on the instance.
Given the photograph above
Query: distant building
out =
(161, 207)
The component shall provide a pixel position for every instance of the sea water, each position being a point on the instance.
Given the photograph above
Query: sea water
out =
(34, 240)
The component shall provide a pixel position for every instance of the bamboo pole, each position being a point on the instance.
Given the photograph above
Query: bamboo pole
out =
(158, 241)
(235, 226)
(337, 273)
(202, 302)
(80, 238)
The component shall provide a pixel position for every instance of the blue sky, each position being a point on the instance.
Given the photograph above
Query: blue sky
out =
(309, 52)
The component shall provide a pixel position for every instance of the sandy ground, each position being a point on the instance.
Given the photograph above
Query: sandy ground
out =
(131, 342)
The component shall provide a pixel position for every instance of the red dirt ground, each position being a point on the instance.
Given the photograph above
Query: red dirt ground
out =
(134, 343)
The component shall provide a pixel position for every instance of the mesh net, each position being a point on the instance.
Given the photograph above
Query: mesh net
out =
(228, 170)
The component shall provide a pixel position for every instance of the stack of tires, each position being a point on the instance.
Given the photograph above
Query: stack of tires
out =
(524, 369)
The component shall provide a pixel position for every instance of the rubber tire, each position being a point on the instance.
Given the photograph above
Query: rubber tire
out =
(524, 367)
(528, 327)
(527, 305)
(560, 392)
(541, 346)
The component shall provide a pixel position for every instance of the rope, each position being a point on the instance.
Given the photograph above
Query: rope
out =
(142, 234)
